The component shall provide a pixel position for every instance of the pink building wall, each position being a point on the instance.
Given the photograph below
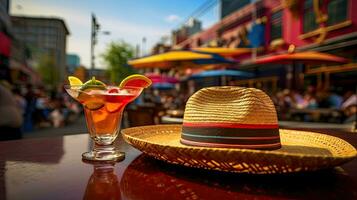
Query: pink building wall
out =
(292, 27)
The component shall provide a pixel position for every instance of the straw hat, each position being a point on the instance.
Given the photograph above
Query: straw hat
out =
(236, 129)
(231, 117)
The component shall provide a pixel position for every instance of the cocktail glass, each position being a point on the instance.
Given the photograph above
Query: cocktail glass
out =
(103, 109)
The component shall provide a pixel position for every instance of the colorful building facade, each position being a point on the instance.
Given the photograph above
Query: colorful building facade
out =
(270, 26)
(5, 40)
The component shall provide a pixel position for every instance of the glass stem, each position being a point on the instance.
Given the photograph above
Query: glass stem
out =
(103, 149)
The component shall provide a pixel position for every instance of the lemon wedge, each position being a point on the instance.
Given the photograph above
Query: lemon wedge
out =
(74, 81)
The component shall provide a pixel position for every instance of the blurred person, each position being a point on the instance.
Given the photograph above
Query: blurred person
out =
(292, 98)
(286, 94)
(334, 100)
(20, 100)
(10, 116)
(309, 102)
(74, 110)
(349, 106)
(181, 101)
(30, 98)
(297, 97)
(56, 116)
(157, 97)
(281, 105)
(42, 109)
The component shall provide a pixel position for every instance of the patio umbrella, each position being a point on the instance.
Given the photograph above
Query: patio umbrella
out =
(159, 78)
(304, 57)
(179, 58)
(225, 52)
(222, 72)
(163, 86)
(307, 57)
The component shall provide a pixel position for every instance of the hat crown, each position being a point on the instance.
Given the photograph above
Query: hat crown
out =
(231, 117)
(230, 104)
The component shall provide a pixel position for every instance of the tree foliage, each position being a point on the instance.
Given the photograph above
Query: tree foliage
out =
(48, 71)
(116, 56)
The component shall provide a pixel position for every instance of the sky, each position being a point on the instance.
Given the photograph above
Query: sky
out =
(128, 20)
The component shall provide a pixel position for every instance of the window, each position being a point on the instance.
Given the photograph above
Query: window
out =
(276, 25)
(337, 11)
(230, 6)
(309, 17)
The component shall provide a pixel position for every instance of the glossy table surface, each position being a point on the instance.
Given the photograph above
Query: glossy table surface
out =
(51, 168)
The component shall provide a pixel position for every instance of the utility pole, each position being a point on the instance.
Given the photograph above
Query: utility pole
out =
(94, 32)
(137, 51)
(143, 46)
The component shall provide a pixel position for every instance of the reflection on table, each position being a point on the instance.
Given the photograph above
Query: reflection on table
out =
(142, 180)
(40, 169)
(103, 183)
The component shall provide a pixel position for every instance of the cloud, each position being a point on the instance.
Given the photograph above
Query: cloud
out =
(172, 18)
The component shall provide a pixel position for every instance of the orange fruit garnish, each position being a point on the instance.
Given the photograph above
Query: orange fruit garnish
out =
(136, 80)
(113, 107)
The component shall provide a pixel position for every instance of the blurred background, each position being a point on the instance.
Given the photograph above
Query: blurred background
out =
(301, 53)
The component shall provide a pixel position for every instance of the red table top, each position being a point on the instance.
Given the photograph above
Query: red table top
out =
(51, 168)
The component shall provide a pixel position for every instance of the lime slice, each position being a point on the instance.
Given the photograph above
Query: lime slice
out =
(74, 81)
(136, 80)
(93, 84)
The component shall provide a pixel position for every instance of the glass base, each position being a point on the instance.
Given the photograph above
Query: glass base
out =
(104, 153)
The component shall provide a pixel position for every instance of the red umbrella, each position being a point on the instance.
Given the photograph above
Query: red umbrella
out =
(307, 57)
(158, 78)
(304, 57)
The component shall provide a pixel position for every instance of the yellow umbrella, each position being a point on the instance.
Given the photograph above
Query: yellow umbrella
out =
(227, 52)
(178, 58)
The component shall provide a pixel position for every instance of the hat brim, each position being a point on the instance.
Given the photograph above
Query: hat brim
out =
(301, 151)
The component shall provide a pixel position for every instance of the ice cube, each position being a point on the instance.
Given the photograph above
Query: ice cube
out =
(124, 92)
(97, 92)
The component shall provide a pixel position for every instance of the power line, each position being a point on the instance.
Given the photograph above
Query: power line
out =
(204, 11)
(199, 11)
